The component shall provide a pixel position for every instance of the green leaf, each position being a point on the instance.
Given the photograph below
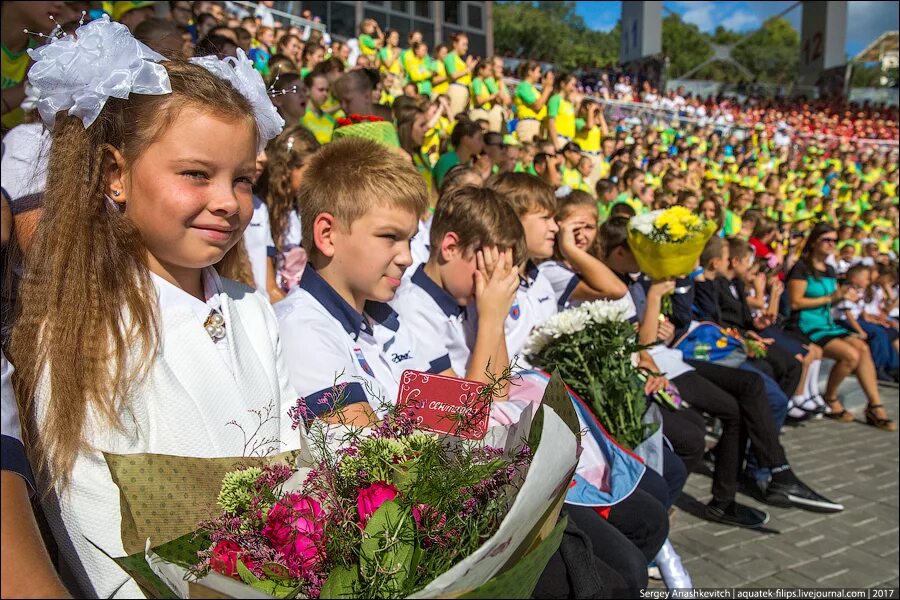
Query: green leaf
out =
(276, 571)
(537, 427)
(272, 587)
(342, 583)
(245, 574)
(405, 475)
(387, 546)
(181, 551)
(416, 557)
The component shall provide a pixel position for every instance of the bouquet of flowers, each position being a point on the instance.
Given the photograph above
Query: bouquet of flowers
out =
(667, 243)
(386, 512)
(592, 347)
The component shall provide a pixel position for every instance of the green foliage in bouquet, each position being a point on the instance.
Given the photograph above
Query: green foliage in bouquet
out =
(591, 346)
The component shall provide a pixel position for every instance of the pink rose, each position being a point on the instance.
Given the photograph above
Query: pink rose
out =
(225, 556)
(368, 499)
(294, 528)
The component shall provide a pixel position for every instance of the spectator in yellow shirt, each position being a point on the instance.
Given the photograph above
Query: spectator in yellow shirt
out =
(316, 119)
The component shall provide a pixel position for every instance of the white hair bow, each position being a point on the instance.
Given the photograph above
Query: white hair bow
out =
(239, 72)
(79, 73)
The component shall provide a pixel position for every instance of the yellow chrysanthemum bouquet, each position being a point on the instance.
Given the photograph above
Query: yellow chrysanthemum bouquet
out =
(667, 243)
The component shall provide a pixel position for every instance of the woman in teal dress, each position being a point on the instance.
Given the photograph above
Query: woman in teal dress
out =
(813, 290)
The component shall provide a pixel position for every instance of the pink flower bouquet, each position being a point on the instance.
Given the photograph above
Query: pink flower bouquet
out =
(387, 513)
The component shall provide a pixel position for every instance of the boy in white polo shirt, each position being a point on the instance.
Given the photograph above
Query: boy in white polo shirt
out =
(359, 204)
(476, 241)
(534, 203)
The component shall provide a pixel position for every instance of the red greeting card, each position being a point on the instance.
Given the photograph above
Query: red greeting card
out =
(445, 404)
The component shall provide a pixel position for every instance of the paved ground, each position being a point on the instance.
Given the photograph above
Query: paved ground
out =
(854, 464)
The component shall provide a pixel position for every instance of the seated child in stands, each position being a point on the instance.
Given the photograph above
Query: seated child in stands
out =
(360, 204)
(476, 246)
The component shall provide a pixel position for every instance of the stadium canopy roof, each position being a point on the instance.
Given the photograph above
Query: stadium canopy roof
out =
(887, 43)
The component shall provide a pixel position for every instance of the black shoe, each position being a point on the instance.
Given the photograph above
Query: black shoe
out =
(802, 496)
(736, 514)
(762, 491)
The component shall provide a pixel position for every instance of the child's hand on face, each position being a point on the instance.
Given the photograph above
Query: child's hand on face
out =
(569, 233)
(759, 280)
(496, 282)
(851, 294)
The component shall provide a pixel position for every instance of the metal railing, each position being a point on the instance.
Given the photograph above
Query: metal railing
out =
(629, 114)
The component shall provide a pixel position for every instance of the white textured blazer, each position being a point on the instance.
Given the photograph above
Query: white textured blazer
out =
(181, 408)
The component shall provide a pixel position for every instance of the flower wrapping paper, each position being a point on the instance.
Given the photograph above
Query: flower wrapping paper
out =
(164, 497)
(668, 260)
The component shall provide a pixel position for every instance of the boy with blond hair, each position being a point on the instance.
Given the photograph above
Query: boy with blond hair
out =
(359, 205)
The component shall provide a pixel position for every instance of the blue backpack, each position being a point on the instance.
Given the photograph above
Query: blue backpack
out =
(710, 342)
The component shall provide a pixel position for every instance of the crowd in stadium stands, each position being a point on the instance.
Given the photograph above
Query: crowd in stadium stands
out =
(531, 172)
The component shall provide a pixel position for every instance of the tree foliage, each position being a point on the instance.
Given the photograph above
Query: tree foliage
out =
(772, 53)
(553, 32)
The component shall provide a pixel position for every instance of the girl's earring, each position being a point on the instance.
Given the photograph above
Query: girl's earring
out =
(117, 193)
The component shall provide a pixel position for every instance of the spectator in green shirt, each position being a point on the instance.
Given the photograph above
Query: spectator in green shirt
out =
(468, 142)
(370, 38)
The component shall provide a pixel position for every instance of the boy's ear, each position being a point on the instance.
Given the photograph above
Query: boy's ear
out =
(114, 174)
(450, 246)
(324, 230)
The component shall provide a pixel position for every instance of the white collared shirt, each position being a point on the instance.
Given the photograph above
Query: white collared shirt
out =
(535, 302)
(259, 244)
(13, 456)
(442, 335)
(332, 351)
(420, 246)
(26, 151)
(563, 280)
(171, 296)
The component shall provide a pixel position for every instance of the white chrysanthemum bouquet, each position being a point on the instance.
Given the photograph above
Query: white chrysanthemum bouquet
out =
(593, 346)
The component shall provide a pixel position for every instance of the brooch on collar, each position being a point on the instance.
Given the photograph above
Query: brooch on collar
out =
(215, 325)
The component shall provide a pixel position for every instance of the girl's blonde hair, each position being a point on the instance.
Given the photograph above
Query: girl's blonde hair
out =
(88, 320)
(290, 150)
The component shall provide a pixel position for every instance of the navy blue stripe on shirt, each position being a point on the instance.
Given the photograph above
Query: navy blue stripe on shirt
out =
(383, 313)
(270, 251)
(25, 203)
(13, 459)
(323, 401)
(439, 365)
(573, 283)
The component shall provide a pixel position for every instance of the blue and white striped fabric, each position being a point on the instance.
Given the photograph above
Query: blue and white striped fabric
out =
(13, 451)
